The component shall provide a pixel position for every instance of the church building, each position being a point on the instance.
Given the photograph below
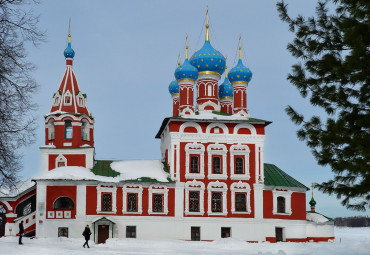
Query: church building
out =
(210, 182)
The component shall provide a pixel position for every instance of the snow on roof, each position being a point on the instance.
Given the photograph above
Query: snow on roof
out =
(316, 217)
(19, 188)
(212, 116)
(129, 170)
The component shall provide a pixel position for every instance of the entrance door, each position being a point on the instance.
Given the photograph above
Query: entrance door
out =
(103, 233)
(279, 234)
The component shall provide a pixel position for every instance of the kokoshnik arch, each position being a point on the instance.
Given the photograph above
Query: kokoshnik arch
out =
(210, 182)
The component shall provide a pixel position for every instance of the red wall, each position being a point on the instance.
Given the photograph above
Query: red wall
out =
(298, 204)
(53, 192)
(72, 160)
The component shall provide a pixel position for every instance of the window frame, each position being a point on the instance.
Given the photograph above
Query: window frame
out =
(244, 203)
(193, 149)
(132, 189)
(154, 196)
(219, 187)
(240, 187)
(194, 186)
(62, 209)
(217, 150)
(106, 188)
(219, 201)
(191, 164)
(190, 201)
(63, 230)
(158, 190)
(128, 202)
(66, 128)
(238, 165)
(214, 159)
(102, 201)
(243, 151)
(287, 194)
(196, 230)
(129, 233)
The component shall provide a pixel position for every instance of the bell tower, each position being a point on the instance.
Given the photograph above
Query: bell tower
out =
(69, 126)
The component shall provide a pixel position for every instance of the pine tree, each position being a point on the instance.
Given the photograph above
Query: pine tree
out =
(333, 71)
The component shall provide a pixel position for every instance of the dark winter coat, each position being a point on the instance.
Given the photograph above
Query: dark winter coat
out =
(87, 233)
(21, 228)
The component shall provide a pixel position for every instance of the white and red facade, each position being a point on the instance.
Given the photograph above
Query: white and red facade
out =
(216, 186)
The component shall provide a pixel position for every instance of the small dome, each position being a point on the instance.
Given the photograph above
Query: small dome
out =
(240, 73)
(312, 202)
(186, 71)
(174, 87)
(208, 59)
(226, 89)
(69, 52)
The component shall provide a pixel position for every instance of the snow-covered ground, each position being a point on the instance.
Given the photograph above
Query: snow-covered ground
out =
(348, 241)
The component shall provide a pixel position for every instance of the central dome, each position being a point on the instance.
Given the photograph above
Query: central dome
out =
(208, 59)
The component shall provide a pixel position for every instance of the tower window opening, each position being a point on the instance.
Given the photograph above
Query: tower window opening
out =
(51, 130)
(210, 92)
(85, 131)
(68, 131)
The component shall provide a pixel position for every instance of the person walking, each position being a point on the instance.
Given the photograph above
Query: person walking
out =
(87, 234)
(21, 232)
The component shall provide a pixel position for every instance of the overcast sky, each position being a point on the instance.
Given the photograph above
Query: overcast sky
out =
(126, 54)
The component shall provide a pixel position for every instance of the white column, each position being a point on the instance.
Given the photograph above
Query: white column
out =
(258, 208)
(81, 200)
(257, 161)
(40, 209)
(178, 173)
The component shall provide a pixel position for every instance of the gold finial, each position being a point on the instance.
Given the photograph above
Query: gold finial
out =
(178, 60)
(187, 48)
(240, 46)
(207, 26)
(312, 188)
(226, 67)
(69, 31)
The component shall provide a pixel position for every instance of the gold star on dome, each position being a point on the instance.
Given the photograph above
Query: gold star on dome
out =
(238, 76)
(198, 66)
(241, 70)
(215, 65)
(201, 60)
(211, 59)
(206, 65)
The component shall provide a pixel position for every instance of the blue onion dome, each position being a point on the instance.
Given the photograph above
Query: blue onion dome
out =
(225, 90)
(186, 71)
(173, 88)
(69, 52)
(208, 59)
(240, 73)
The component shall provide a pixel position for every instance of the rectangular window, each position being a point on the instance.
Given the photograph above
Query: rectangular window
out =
(195, 233)
(240, 202)
(239, 165)
(130, 231)
(194, 201)
(194, 164)
(225, 232)
(62, 232)
(68, 130)
(216, 165)
(281, 204)
(157, 203)
(106, 202)
(132, 202)
(217, 202)
(279, 234)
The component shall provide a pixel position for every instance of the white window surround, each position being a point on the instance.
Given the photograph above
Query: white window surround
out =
(190, 124)
(219, 150)
(218, 125)
(106, 189)
(136, 189)
(287, 194)
(80, 100)
(67, 94)
(60, 159)
(56, 100)
(217, 187)
(162, 190)
(239, 150)
(240, 187)
(194, 149)
(194, 186)
(247, 126)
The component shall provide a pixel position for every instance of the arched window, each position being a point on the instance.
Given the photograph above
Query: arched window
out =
(240, 202)
(63, 203)
(85, 131)
(216, 165)
(68, 130)
(239, 165)
(210, 92)
(51, 130)
(281, 204)
(106, 202)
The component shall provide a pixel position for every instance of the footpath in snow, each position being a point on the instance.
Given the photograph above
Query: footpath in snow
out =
(349, 241)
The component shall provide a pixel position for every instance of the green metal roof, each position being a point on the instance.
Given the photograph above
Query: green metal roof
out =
(102, 168)
(274, 176)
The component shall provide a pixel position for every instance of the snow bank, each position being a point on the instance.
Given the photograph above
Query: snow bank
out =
(316, 217)
(19, 188)
(129, 170)
(141, 168)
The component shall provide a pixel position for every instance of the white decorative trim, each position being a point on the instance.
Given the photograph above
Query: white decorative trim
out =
(59, 214)
(67, 144)
(198, 149)
(56, 98)
(194, 186)
(158, 189)
(220, 125)
(67, 94)
(186, 111)
(67, 214)
(239, 150)
(287, 194)
(217, 187)
(133, 188)
(221, 150)
(240, 187)
(60, 159)
(190, 124)
(247, 126)
(51, 214)
(80, 98)
(106, 188)
(215, 106)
